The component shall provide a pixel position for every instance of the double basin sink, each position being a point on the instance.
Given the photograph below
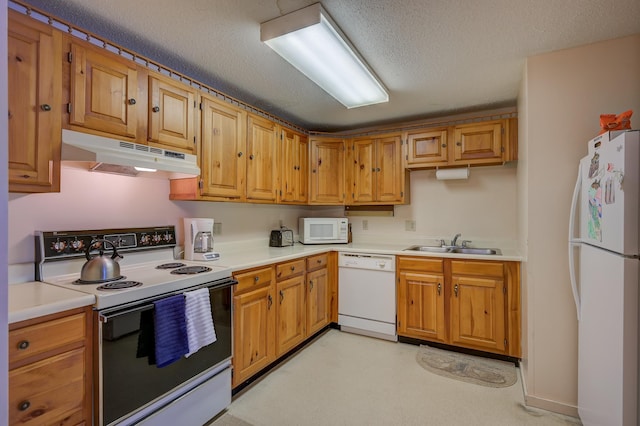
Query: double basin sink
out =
(455, 249)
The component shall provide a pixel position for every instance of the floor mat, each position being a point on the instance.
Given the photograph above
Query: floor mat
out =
(467, 368)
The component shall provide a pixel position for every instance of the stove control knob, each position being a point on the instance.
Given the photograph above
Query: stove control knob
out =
(145, 239)
(156, 238)
(77, 245)
(167, 237)
(58, 246)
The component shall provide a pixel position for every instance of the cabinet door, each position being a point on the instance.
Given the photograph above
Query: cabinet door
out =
(254, 333)
(427, 148)
(478, 143)
(327, 171)
(261, 156)
(171, 115)
(477, 313)
(34, 93)
(363, 171)
(103, 92)
(223, 149)
(290, 322)
(389, 170)
(421, 305)
(294, 169)
(317, 300)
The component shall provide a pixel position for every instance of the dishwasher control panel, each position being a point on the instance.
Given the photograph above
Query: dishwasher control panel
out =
(379, 262)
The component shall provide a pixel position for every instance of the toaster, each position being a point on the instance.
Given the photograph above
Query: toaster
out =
(281, 238)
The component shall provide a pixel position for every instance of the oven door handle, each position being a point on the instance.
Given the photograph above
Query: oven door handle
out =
(105, 318)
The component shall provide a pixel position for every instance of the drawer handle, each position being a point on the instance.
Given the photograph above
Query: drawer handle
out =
(281, 296)
(23, 345)
(256, 278)
(24, 405)
(270, 300)
(293, 268)
(319, 260)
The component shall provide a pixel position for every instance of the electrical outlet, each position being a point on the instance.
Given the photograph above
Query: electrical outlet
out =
(217, 228)
(410, 225)
(365, 225)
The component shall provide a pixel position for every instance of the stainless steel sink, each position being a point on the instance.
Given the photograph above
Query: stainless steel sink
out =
(460, 250)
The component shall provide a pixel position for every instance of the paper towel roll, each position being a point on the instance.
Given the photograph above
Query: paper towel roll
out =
(445, 174)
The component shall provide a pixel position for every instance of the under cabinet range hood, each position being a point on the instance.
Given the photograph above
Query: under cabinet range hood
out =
(125, 158)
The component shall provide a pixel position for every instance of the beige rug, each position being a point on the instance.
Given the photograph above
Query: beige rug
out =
(467, 368)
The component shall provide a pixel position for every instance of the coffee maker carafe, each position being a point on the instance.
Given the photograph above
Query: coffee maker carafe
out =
(198, 239)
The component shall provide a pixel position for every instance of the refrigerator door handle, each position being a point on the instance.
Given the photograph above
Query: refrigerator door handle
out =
(573, 242)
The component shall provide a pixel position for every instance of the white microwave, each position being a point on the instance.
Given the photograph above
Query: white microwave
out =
(323, 230)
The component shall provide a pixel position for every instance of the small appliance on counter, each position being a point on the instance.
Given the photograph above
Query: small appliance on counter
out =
(198, 239)
(282, 237)
(323, 230)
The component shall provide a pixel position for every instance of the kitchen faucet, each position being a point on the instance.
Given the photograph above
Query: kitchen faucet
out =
(453, 242)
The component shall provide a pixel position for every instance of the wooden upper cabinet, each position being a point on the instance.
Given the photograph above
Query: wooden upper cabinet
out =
(427, 147)
(478, 142)
(171, 114)
(34, 100)
(377, 175)
(327, 171)
(293, 167)
(104, 90)
(261, 159)
(223, 146)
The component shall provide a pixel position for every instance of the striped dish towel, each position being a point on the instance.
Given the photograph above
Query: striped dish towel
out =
(200, 330)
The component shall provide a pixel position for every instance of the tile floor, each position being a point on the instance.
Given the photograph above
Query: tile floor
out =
(346, 379)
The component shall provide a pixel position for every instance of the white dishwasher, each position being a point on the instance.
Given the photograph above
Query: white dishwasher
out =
(367, 294)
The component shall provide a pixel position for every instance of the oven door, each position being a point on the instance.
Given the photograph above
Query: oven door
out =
(129, 383)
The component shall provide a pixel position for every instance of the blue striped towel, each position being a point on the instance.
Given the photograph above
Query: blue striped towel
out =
(170, 330)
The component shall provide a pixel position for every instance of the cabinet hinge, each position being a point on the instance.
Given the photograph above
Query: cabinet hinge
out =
(281, 192)
(200, 184)
(195, 104)
(502, 130)
(69, 107)
(504, 290)
(406, 157)
(281, 136)
(200, 106)
(506, 343)
(194, 140)
(502, 149)
(70, 57)
(402, 193)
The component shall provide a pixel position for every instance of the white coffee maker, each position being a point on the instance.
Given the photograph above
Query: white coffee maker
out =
(198, 239)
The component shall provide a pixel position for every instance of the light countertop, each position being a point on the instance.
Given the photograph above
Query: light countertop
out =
(31, 299)
(35, 299)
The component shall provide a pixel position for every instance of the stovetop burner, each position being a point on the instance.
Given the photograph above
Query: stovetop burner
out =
(118, 285)
(80, 281)
(190, 270)
(171, 265)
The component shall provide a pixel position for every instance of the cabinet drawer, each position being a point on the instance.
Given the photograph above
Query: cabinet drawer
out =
(421, 264)
(38, 338)
(253, 279)
(289, 269)
(490, 269)
(46, 391)
(316, 262)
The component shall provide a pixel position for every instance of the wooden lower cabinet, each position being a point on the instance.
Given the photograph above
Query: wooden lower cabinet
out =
(275, 308)
(50, 375)
(468, 303)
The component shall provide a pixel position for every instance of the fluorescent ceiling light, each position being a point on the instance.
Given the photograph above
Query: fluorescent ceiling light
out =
(310, 40)
(145, 169)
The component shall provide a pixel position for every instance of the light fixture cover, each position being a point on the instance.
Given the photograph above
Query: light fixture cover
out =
(310, 40)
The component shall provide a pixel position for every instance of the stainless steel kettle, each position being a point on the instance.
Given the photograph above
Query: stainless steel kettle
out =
(99, 269)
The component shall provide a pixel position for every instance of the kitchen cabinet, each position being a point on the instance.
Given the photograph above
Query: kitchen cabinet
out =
(34, 100)
(50, 376)
(254, 324)
(171, 114)
(376, 172)
(104, 95)
(319, 299)
(327, 171)
(479, 143)
(293, 167)
(291, 305)
(468, 303)
(261, 159)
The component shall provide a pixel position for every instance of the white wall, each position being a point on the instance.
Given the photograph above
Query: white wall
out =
(3, 214)
(563, 96)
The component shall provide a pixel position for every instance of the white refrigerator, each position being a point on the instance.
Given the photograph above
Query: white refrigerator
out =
(604, 265)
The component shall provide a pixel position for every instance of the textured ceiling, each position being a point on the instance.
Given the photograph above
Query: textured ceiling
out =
(434, 56)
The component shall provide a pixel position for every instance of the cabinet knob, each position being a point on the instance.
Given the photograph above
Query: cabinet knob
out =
(251, 157)
(439, 288)
(45, 107)
(281, 296)
(240, 154)
(310, 285)
(293, 268)
(444, 145)
(270, 302)
(455, 290)
(313, 171)
(319, 261)
(132, 101)
(155, 109)
(256, 278)
(24, 344)
(377, 169)
(24, 405)
(459, 143)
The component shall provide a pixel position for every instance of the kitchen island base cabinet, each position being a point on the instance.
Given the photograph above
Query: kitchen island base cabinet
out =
(473, 304)
(50, 376)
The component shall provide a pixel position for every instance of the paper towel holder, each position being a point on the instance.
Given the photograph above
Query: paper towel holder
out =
(455, 173)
